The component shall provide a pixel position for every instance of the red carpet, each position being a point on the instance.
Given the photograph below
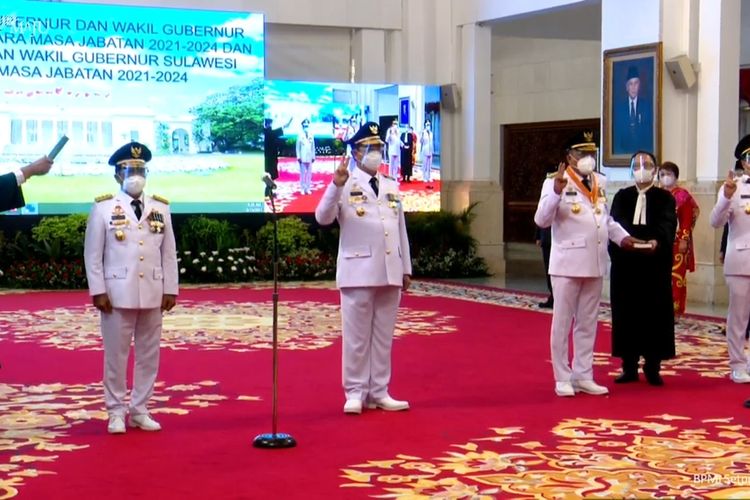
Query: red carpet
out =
(416, 195)
(472, 362)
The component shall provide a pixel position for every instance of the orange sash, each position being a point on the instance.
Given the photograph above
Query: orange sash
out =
(592, 194)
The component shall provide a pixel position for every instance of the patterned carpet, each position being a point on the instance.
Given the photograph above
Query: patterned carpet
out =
(472, 361)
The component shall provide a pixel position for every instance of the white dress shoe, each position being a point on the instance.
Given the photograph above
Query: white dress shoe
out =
(564, 389)
(144, 422)
(388, 404)
(589, 387)
(116, 425)
(353, 406)
(740, 376)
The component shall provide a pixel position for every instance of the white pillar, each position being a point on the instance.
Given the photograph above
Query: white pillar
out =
(680, 106)
(475, 137)
(368, 54)
(718, 80)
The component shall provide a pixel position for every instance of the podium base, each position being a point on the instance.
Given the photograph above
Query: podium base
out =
(279, 440)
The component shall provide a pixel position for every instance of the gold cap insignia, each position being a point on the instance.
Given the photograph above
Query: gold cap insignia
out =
(135, 151)
(373, 129)
(588, 136)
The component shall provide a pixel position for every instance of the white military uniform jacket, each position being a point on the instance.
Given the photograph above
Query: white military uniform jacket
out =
(133, 262)
(580, 229)
(373, 244)
(305, 147)
(394, 142)
(425, 142)
(737, 256)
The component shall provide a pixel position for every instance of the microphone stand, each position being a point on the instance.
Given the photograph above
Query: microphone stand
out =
(275, 439)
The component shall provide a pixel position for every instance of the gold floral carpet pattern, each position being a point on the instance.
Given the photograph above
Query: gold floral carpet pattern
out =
(590, 458)
(687, 441)
(36, 421)
(210, 325)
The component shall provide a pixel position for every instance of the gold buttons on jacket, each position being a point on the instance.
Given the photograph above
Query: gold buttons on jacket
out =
(140, 274)
(140, 242)
(388, 252)
(141, 257)
(140, 226)
(386, 233)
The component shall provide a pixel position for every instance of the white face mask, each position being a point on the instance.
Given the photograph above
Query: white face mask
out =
(667, 180)
(134, 185)
(372, 160)
(586, 165)
(643, 176)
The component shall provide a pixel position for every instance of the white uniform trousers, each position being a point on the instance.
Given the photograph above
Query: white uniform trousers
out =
(394, 165)
(368, 317)
(305, 177)
(427, 168)
(737, 318)
(575, 298)
(118, 328)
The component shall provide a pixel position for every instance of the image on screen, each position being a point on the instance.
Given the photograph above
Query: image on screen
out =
(186, 83)
(333, 112)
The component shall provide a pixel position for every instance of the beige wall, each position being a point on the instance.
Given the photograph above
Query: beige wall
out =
(538, 80)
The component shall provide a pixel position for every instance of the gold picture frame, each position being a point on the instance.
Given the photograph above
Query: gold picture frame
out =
(631, 124)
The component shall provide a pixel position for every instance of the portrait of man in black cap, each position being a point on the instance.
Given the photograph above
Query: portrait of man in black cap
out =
(633, 123)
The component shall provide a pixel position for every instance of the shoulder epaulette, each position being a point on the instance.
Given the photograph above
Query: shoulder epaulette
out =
(160, 198)
(551, 175)
(104, 197)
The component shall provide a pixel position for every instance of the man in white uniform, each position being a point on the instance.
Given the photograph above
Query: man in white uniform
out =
(426, 143)
(305, 157)
(131, 266)
(394, 149)
(573, 203)
(373, 267)
(733, 207)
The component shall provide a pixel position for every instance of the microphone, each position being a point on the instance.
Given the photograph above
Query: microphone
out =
(269, 182)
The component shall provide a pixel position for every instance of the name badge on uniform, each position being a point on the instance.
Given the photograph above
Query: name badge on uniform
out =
(118, 217)
(744, 196)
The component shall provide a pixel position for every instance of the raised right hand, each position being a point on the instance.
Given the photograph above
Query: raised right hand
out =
(560, 180)
(102, 303)
(730, 186)
(342, 172)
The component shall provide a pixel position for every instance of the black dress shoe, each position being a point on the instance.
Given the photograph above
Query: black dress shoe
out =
(654, 379)
(746, 404)
(547, 304)
(626, 377)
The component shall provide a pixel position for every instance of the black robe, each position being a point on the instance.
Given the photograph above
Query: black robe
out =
(11, 195)
(406, 157)
(641, 283)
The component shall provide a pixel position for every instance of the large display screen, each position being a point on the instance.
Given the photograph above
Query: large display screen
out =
(186, 83)
(189, 85)
(334, 112)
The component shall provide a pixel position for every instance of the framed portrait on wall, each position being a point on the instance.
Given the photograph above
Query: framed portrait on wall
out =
(631, 114)
(403, 113)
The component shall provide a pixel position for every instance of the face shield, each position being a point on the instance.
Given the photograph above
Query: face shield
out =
(643, 169)
(746, 162)
(130, 169)
(371, 156)
(133, 177)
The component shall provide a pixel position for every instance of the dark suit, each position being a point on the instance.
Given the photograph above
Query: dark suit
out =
(407, 160)
(271, 138)
(544, 237)
(633, 128)
(11, 195)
